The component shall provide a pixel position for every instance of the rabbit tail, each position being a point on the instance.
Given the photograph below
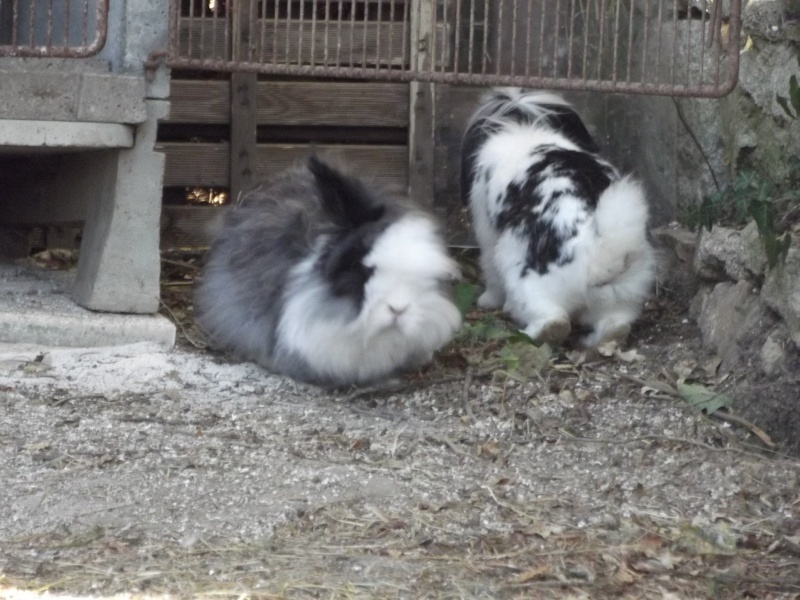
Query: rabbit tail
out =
(622, 267)
(621, 224)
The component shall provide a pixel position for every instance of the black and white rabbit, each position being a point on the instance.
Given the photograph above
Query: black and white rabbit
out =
(563, 236)
(322, 279)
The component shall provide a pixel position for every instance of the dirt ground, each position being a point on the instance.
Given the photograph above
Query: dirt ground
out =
(497, 472)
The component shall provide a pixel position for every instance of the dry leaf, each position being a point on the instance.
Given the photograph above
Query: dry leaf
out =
(624, 575)
(650, 565)
(544, 531)
(489, 449)
(684, 369)
(537, 573)
(712, 366)
(629, 356)
(37, 446)
(650, 545)
(607, 349)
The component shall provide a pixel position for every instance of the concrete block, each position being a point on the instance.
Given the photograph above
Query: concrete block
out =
(112, 98)
(86, 329)
(119, 264)
(25, 135)
(39, 95)
(35, 309)
(71, 95)
(147, 30)
(54, 65)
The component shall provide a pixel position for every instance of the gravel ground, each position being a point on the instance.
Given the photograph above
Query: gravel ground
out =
(120, 465)
(138, 471)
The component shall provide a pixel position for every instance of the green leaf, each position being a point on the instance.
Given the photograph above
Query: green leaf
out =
(776, 248)
(794, 93)
(793, 100)
(510, 359)
(524, 360)
(464, 295)
(784, 104)
(763, 213)
(520, 337)
(716, 538)
(702, 398)
(487, 329)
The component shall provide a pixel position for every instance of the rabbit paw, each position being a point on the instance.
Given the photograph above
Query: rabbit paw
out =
(552, 332)
(491, 299)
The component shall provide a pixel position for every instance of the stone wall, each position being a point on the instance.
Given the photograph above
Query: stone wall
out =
(745, 309)
(748, 130)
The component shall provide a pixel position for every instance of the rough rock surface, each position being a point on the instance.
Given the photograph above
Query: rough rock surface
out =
(732, 316)
(781, 292)
(735, 254)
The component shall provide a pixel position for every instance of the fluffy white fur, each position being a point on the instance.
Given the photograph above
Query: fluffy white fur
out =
(327, 280)
(612, 269)
(404, 319)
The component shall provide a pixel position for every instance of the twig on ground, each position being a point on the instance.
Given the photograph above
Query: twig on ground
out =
(754, 429)
(184, 331)
(180, 263)
(465, 394)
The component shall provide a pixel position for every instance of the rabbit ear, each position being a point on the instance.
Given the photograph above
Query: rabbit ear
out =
(344, 198)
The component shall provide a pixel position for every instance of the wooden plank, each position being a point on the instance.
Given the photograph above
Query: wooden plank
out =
(421, 96)
(192, 164)
(243, 105)
(332, 103)
(206, 165)
(199, 101)
(243, 131)
(420, 143)
(345, 43)
(292, 103)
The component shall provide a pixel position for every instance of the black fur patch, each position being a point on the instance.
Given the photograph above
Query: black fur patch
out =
(342, 265)
(588, 178)
(561, 119)
(344, 197)
(360, 218)
(474, 138)
(567, 122)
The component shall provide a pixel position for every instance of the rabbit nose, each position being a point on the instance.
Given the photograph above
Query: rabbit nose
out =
(397, 309)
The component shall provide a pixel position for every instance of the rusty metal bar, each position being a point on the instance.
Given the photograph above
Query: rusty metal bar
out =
(44, 29)
(630, 46)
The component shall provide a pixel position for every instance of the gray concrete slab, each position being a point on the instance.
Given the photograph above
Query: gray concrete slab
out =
(119, 266)
(36, 308)
(18, 136)
(49, 95)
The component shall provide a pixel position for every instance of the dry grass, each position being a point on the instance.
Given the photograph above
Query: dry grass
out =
(353, 550)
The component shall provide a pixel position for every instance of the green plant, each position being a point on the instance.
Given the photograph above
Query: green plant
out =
(750, 196)
(791, 105)
(490, 342)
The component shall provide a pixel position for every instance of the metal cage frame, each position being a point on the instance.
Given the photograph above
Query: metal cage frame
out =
(454, 42)
(49, 47)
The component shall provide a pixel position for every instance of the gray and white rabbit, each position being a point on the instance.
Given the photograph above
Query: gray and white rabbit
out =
(320, 278)
(563, 236)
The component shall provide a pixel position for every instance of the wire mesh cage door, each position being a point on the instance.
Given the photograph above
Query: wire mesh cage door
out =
(674, 47)
(53, 28)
